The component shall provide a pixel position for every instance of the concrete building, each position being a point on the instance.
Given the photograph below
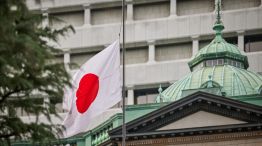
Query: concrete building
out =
(162, 36)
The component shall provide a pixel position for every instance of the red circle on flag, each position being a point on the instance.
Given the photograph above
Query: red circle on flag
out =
(86, 92)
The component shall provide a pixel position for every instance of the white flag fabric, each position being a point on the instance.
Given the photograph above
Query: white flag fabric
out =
(96, 87)
(68, 96)
(66, 99)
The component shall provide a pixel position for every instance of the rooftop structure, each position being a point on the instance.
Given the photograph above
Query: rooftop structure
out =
(219, 68)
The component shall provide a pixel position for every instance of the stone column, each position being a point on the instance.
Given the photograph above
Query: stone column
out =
(67, 59)
(45, 22)
(87, 14)
(129, 10)
(173, 8)
(130, 97)
(240, 40)
(195, 44)
(151, 51)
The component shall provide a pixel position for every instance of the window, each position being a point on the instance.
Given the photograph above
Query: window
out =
(229, 62)
(231, 40)
(67, 18)
(235, 63)
(215, 62)
(106, 15)
(238, 64)
(239, 4)
(220, 61)
(173, 51)
(189, 7)
(209, 63)
(147, 98)
(80, 58)
(253, 43)
(144, 96)
(136, 55)
(151, 10)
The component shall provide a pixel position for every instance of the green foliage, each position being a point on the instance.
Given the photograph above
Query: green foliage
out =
(27, 73)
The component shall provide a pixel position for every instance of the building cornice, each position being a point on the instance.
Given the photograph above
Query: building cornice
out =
(199, 101)
(196, 138)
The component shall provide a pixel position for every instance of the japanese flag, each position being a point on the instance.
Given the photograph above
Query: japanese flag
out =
(96, 87)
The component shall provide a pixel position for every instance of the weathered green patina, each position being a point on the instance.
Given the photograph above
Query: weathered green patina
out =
(99, 134)
(235, 82)
(227, 67)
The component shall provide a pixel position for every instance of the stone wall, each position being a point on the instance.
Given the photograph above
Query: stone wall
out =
(174, 51)
(161, 35)
(136, 55)
(191, 7)
(239, 4)
(75, 19)
(151, 11)
(106, 15)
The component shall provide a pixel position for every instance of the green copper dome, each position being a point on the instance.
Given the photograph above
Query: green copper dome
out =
(218, 68)
(219, 48)
(227, 80)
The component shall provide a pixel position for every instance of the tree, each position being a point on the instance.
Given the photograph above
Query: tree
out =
(27, 73)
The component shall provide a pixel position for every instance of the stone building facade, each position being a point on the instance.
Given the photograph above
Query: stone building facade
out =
(162, 36)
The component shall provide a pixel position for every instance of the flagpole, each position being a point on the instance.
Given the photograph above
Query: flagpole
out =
(123, 86)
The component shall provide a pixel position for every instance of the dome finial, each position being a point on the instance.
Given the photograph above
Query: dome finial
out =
(218, 11)
(218, 27)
